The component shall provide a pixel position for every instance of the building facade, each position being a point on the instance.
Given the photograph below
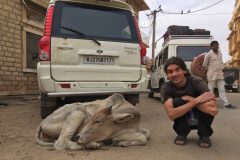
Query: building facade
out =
(234, 37)
(21, 27)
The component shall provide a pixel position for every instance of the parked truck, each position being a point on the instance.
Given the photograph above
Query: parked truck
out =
(179, 41)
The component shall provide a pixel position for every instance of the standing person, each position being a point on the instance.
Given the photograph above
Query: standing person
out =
(188, 103)
(214, 64)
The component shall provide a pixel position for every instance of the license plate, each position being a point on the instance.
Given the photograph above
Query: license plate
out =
(98, 60)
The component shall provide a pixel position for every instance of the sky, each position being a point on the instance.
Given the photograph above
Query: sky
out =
(214, 19)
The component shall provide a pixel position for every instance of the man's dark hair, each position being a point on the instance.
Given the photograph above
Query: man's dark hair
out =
(213, 42)
(177, 61)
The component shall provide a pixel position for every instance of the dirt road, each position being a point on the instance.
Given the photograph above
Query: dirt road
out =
(19, 120)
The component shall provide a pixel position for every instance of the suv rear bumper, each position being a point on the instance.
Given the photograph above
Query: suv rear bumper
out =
(70, 94)
(55, 89)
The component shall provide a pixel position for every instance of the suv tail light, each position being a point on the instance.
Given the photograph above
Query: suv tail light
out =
(143, 50)
(45, 42)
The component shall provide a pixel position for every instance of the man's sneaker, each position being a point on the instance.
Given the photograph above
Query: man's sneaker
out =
(230, 106)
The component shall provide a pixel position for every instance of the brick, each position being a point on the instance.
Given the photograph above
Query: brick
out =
(18, 78)
(17, 32)
(9, 54)
(12, 69)
(13, 16)
(18, 51)
(24, 78)
(4, 13)
(5, 38)
(10, 24)
(18, 6)
(18, 27)
(17, 41)
(18, 60)
(17, 65)
(16, 55)
(17, 37)
(11, 3)
(4, 48)
(10, 59)
(11, 30)
(3, 68)
(10, 50)
(19, 18)
(11, 88)
(17, 12)
(5, 29)
(3, 87)
(7, 83)
(9, 44)
(8, 74)
(9, 35)
(14, 73)
(11, 78)
(8, 64)
(7, 8)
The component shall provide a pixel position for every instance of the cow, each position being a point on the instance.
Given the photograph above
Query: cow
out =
(87, 125)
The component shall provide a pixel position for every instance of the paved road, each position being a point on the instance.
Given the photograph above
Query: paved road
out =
(19, 120)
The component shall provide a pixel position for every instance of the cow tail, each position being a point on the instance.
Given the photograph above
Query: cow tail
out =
(39, 140)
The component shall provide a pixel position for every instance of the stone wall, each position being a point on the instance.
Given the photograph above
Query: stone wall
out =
(14, 80)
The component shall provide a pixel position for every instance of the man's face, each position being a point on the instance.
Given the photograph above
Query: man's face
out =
(215, 47)
(176, 75)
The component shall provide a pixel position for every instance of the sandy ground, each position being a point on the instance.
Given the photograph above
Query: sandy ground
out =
(19, 120)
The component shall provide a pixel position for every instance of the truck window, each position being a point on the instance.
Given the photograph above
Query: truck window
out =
(165, 55)
(187, 53)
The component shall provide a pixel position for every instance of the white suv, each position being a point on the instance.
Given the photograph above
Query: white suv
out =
(89, 48)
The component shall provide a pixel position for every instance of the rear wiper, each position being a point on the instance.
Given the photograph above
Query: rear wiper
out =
(80, 34)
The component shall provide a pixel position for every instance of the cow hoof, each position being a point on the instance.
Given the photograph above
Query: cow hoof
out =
(123, 143)
(93, 145)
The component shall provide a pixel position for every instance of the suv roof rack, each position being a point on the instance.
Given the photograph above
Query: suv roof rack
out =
(170, 37)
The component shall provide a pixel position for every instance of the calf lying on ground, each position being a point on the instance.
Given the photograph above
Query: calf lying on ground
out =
(87, 125)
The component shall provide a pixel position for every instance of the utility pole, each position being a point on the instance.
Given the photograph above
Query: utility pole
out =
(153, 37)
(154, 13)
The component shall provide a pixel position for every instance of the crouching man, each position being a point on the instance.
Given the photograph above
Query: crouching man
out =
(188, 103)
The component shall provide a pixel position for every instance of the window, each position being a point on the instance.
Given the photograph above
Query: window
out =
(164, 55)
(93, 21)
(33, 22)
(31, 49)
(187, 53)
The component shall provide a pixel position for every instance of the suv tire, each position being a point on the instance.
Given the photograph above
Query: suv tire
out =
(133, 99)
(47, 104)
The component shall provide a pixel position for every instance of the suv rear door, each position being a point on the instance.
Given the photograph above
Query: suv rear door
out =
(93, 43)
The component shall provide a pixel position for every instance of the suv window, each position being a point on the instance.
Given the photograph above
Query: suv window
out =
(187, 53)
(93, 21)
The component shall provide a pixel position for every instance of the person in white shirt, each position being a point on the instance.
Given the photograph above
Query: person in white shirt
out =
(214, 64)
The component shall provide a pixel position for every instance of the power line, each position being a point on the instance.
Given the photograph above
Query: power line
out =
(208, 14)
(189, 11)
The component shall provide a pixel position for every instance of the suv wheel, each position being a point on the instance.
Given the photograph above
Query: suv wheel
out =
(47, 105)
(133, 99)
(150, 94)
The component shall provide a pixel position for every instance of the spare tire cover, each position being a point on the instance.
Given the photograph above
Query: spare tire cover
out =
(196, 67)
(229, 79)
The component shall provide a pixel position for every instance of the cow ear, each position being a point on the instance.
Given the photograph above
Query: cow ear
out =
(109, 110)
(122, 117)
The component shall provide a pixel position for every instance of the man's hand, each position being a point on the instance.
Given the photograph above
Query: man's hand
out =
(187, 98)
(205, 97)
